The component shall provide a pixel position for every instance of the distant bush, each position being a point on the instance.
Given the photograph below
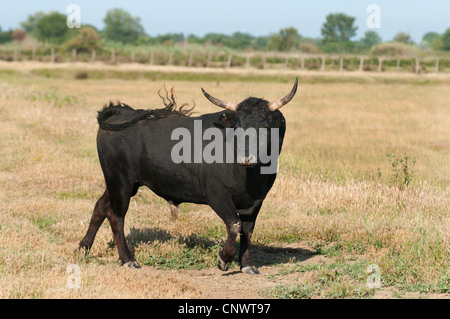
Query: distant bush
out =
(18, 35)
(82, 75)
(86, 41)
(403, 37)
(393, 49)
(338, 47)
(308, 48)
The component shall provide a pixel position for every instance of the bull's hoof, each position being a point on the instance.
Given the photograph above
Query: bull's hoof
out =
(222, 264)
(250, 270)
(132, 264)
(82, 249)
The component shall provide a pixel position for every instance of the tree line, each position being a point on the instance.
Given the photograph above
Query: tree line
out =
(121, 28)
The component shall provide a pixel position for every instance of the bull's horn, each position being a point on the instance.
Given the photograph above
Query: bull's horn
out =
(226, 105)
(275, 105)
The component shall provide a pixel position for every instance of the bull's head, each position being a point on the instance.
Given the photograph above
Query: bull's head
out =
(258, 114)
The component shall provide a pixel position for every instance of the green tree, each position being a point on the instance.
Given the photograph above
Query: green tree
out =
(338, 27)
(215, 38)
(284, 40)
(371, 38)
(430, 37)
(260, 43)
(52, 28)
(169, 39)
(445, 38)
(431, 40)
(30, 24)
(403, 37)
(239, 40)
(5, 36)
(120, 26)
(192, 38)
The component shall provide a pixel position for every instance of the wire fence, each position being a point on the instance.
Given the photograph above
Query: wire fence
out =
(250, 60)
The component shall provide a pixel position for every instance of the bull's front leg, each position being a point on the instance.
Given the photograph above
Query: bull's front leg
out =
(247, 225)
(226, 255)
(224, 207)
(244, 252)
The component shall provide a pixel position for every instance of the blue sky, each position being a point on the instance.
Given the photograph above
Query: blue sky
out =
(257, 17)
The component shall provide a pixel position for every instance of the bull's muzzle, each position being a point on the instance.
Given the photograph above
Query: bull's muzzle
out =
(247, 160)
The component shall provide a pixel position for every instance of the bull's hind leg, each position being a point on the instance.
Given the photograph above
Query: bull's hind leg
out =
(116, 217)
(98, 216)
(174, 211)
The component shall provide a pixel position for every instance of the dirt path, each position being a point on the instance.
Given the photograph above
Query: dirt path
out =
(216, 284)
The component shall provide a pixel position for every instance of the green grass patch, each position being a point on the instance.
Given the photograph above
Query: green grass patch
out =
(196, 257)
(220, 76)
(333, 280)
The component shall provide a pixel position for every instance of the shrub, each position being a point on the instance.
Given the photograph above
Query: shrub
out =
(402, 170)
(308, 48)
(338, 47)
(18, 35)
(86, 41)
(392, 49)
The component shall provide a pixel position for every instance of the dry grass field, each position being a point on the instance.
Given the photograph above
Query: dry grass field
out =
(364, 179)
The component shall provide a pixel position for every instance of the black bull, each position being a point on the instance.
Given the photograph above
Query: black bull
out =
(136, 151)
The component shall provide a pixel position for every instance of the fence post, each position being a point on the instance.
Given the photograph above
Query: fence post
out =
(302, 62)
(229, 60)
(341, 64)
(208, 61)
(398, 64)
(93, 56)
(417, 65)
(247, 61)
(191, 58)
(380, 64)
(264, 61)
(322, 67)
(436, 69)
(152, 58)
(361, 64)
(74, 55)
(52, 55)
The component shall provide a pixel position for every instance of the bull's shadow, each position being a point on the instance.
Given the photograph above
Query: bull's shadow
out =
(262, 255)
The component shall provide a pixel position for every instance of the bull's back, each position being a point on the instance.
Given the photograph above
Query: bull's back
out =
(141, 154)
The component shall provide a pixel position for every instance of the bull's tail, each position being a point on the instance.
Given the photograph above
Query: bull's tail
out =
(116, 117)
(121, 116)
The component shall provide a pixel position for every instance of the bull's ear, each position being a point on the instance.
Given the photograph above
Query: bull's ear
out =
(227, 120)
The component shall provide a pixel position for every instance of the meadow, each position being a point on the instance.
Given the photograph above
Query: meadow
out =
(363, 180)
